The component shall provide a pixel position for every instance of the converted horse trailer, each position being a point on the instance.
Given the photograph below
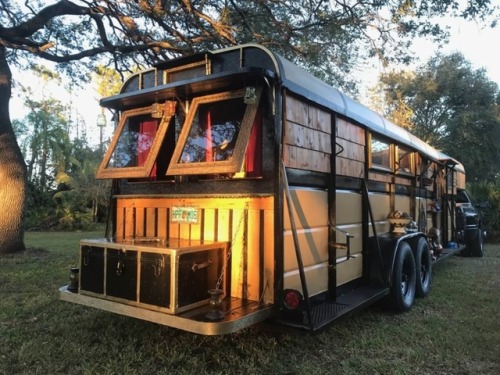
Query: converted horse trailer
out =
(244, 189)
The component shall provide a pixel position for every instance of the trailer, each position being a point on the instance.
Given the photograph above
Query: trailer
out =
(244, 189)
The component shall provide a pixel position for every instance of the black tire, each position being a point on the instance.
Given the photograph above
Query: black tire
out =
(474, 243)
(423, 265)
(404, 276)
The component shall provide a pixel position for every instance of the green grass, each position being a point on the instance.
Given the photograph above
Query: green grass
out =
(455, 330)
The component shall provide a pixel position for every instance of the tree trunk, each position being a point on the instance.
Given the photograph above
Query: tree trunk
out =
(12, 171)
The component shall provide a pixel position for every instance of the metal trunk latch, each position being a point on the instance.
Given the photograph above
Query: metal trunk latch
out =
(202, 265)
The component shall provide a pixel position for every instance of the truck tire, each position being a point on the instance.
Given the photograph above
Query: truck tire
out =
(423, 265)
(474, 243)
(404, 276)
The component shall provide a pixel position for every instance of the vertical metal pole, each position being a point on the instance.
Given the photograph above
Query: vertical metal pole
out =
(298, 254)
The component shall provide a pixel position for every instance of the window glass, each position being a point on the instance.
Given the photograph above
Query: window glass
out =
(134, 142)
(380, 153)
(214, 131)
(405, 160)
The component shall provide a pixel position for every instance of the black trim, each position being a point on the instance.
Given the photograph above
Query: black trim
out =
(302, 177)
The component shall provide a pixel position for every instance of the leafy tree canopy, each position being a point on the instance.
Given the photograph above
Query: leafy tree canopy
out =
(330, 37)
(454, 107)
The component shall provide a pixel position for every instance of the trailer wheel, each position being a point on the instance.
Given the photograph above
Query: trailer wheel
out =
(403, 279)
(423, 265)
(474, 243)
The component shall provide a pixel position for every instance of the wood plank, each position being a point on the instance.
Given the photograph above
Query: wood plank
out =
(351, 150)
(151, 222)
(320, 120)
(162, 222)
(253, 255)
(301, 158)
(382, 177)
(296, 110)
(350, 132)
(307, 138)
(351, 168)
(128, 231)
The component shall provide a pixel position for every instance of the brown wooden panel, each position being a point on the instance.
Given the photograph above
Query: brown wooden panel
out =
(404, 181)
(382, 177)
(301, 158)
(351, 150)
(151, 222)
(350, 132)
(297, 111)
(320, 120)
(139, 221)
(352, 168)
(301, 136)
(129, 230)
(162, 222)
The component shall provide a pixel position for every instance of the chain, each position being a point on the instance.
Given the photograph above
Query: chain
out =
(229, 250)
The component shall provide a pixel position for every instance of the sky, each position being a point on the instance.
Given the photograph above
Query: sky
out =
(476, 44)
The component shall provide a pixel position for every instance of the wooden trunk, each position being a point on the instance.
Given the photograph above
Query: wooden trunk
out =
(170, 276)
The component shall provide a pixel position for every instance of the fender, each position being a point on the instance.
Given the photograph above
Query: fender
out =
(389, 243)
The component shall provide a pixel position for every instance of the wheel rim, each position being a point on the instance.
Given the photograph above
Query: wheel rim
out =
(424, 270)
(405, 279)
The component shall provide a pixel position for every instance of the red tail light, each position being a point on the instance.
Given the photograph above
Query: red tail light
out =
(292, 299)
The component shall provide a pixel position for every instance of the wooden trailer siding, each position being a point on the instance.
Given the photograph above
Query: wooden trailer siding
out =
(350, 147)
(307, 136)
(247, 223)
(380, 176)
(348, 131)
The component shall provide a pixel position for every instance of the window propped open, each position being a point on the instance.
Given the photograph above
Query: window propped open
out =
(216, 133)
(136, 142)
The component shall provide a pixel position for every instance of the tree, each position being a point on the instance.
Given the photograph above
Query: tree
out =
(453, 107)
(329, 36)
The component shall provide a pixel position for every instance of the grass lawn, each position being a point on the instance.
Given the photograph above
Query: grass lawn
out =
(455, 330)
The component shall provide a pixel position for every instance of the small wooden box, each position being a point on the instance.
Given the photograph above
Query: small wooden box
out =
(166, 275)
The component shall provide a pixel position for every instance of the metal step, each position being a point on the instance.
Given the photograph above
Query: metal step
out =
(323, 314)
(448, 252)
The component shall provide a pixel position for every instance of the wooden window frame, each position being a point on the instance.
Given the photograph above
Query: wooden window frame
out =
(235, 163)
(106, 171)
(412, 161)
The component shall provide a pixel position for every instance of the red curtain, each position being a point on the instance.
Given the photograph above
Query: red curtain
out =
(147, 133)
(208, 139)
(253, 158)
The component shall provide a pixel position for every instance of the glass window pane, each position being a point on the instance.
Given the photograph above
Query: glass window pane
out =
(404, 160)
(214, 131)
(134, 143)
(380, 153)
